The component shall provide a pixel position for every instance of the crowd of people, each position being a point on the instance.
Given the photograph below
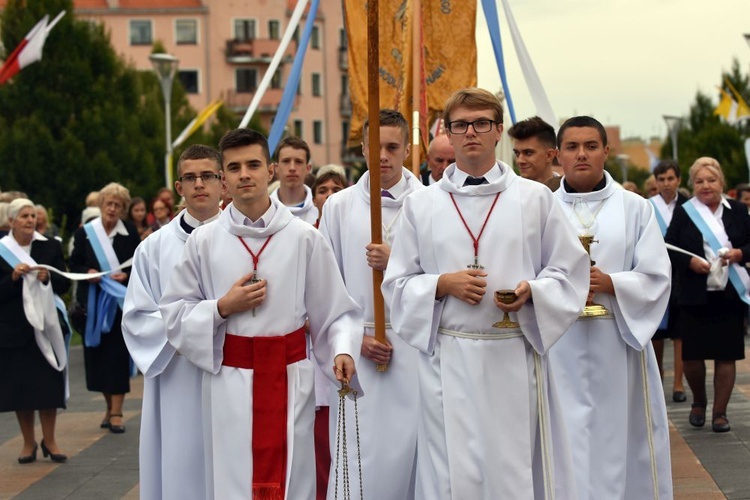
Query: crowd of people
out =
(248, 305)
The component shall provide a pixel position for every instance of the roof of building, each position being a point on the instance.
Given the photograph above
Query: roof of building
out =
(130, 4)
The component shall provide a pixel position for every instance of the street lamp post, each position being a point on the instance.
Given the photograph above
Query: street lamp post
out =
(165, 66)
(673, 124)
(622, 160)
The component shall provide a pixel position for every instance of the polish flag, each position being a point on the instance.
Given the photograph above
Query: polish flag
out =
(29, 50)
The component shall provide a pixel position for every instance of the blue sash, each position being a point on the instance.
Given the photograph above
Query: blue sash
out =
(101, 306)
(662, 223)
(713, 242)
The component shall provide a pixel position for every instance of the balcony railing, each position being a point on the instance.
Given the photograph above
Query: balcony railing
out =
(239, 101)
(343, 59)
(257, 50)
(345, 105)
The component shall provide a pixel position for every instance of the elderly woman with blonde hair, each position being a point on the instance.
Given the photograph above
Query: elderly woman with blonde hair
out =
(712, 288)
(103, 244)
(32, 349)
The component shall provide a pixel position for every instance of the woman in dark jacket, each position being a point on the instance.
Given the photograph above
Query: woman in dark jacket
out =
(106, 359)
(711, 317)
(30, 382)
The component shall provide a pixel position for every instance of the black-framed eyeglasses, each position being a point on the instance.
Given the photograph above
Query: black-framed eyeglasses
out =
(481, 126)
(205, 177)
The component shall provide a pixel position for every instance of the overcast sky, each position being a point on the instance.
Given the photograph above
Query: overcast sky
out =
(625, 62)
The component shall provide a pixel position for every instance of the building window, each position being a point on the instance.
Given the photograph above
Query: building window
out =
(244, 29)
(276, 80)
(299, 86)
(246, 79)
(186, 31)
(295, 35)
(316, 90)
(318, 132)
(298, 128)
(141, 32)
(315, 37)
(274, 29)
(189, 80)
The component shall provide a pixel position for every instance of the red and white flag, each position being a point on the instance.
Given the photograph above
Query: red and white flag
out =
(29, 50)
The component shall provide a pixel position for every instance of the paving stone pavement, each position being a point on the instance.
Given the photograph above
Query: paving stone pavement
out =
(103, 466)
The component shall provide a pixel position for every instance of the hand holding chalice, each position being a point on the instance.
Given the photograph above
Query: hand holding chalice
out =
(506, 297)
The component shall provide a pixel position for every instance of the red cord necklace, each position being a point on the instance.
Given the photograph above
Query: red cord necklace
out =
(475, 240)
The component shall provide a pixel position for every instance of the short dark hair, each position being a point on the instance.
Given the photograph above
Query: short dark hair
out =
(198, 152)
(579, 122)
(665, 166)
(240, 137)
(534, 127)
(294, 143)
(327, 176)
(741, 188)
(390, 118)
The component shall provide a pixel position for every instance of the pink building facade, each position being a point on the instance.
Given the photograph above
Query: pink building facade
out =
(225, 48)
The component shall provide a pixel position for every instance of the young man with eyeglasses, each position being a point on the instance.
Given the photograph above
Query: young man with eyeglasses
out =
(171, 456)
(490, 421)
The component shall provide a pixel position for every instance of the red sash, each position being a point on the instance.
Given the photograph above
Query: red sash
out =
(268, 357)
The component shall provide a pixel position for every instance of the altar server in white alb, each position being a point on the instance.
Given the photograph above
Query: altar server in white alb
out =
(605, 366)
(171, 457)
(292, 166)
(490, 424)
(387, 416)
(236, 306)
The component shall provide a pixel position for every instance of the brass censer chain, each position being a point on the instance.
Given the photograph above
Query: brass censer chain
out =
(341, 447)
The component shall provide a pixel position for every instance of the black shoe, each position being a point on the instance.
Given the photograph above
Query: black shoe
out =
(695, 419)
(28, 458)
(105, 424)
(116, 429)
(720, 427)
(679, 397)
(55, 457)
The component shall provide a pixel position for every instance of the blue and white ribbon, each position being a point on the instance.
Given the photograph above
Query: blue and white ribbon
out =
(717, 239)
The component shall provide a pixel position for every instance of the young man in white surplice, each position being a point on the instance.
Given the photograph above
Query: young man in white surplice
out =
(605, 366)
(236, 306)
(387, 415)
(489, 417)
(171, 456)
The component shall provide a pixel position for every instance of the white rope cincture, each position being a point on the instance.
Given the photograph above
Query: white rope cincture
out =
(508, 333)
(387, 229)
(542, 411)
(649, 426)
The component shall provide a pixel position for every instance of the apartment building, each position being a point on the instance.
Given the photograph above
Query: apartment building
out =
(225, 48)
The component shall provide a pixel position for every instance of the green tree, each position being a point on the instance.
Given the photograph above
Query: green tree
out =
(704, 134)
(81, 117)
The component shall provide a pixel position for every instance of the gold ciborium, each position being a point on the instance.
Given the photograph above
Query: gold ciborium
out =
(591, 310)
(506, 297)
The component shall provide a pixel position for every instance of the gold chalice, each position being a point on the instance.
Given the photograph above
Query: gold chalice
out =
(591, 310)
(506, 297)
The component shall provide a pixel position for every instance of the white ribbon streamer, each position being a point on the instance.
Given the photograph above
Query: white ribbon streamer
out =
(82, 276)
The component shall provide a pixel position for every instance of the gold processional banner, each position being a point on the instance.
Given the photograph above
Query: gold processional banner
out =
(449, 55)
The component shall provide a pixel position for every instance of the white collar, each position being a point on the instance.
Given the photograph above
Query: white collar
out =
(492, 175)
(36, 237)
(118, 229)
(398, 189)
(193, 222)
(242, 220)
